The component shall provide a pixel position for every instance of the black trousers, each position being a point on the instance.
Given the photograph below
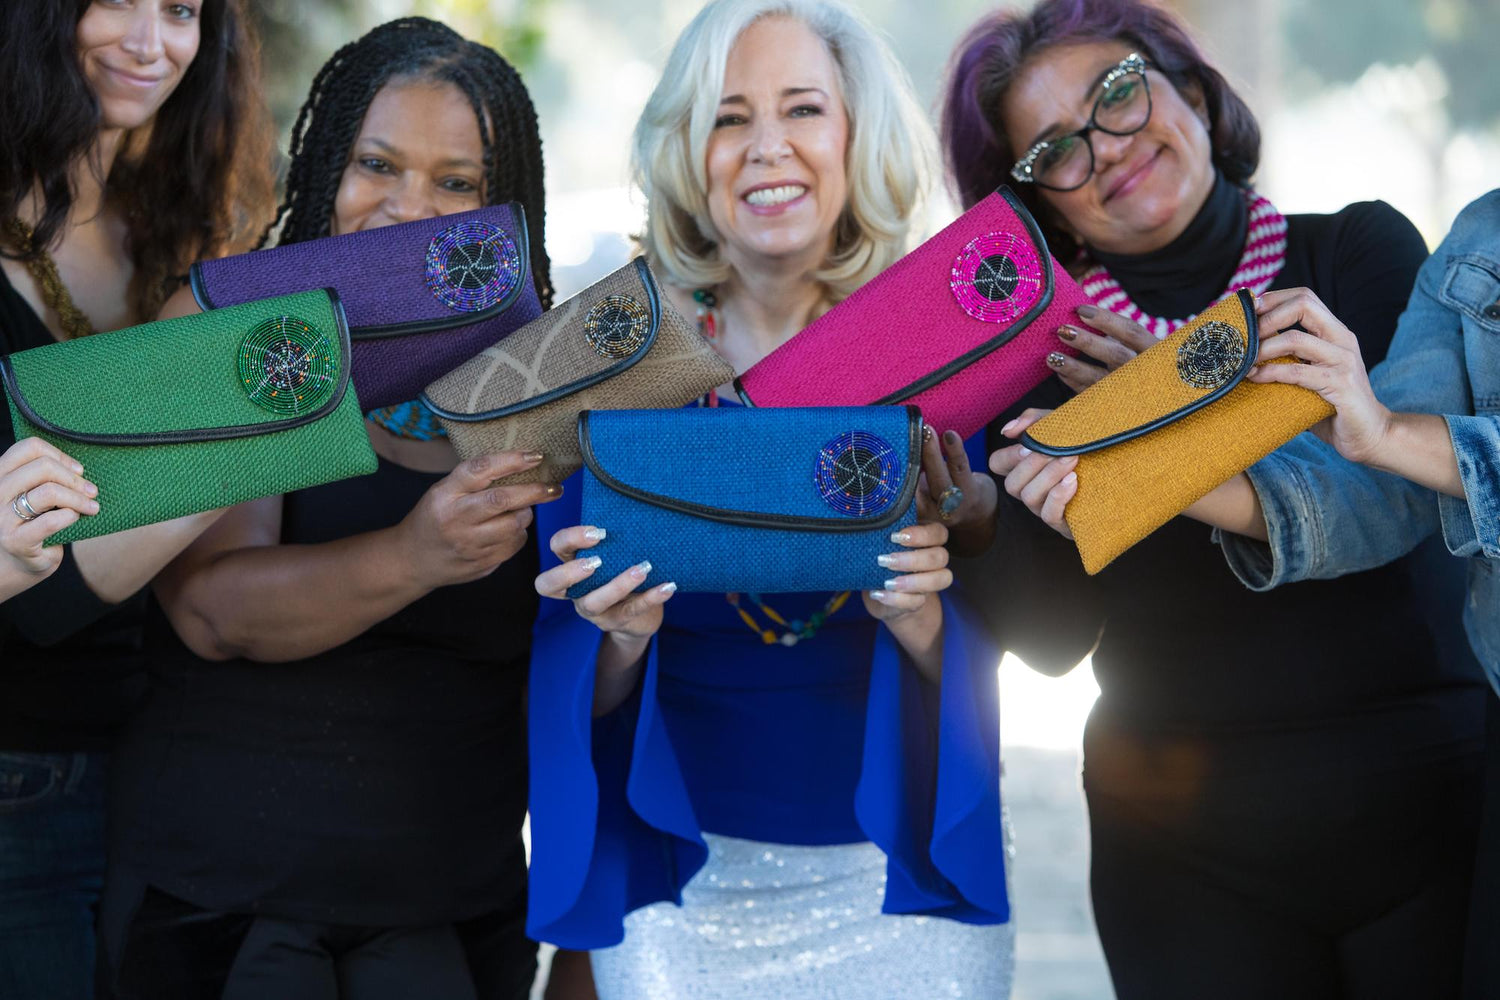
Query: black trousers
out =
(173, 950)
(1308, 880)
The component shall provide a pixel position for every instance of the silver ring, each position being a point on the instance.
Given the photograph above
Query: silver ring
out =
(22, 507)
(949, 501)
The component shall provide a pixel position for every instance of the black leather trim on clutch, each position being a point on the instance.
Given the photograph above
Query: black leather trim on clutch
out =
(8, 375)
(1252, 349)
(754, 519)
(653, 299)
(458, 319)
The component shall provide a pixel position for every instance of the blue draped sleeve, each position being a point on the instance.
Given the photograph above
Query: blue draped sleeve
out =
(612, 821)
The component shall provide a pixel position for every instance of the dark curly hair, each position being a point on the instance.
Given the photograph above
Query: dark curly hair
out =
(195, 183)
(415, 47)
(986, 62)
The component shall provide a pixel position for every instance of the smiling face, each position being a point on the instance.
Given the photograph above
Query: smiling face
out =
(418, 154)
(1146, 187)
(134, 54)
(776, 178)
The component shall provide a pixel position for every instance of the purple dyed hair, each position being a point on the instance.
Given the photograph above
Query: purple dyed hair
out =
(986, 62)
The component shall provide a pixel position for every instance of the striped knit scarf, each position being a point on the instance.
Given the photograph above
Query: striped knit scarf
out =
(1262, 261)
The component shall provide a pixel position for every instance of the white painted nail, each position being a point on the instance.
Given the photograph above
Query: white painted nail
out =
(595, 534)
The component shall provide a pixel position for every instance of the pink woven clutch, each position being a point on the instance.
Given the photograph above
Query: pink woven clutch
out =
(961, 327)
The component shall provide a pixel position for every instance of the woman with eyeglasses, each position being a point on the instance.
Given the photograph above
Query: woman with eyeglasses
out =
(1282, 786)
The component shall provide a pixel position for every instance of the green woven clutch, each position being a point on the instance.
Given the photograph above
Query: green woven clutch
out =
(192, 414)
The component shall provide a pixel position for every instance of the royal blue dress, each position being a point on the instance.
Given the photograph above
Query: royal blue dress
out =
(835, 740)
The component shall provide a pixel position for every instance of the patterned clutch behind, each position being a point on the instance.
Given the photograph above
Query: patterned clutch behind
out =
(616, 345)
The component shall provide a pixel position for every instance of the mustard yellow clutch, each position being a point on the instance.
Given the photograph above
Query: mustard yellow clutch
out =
(1166, 428)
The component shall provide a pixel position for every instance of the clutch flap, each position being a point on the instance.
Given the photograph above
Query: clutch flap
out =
(825, 469)
(595, 335)
(1183, 373)
(413, 277)
(982, 280)
(237, 372)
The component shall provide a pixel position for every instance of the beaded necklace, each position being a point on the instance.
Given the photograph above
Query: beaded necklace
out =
(54, 293)
(709, 325)
(1262, 260)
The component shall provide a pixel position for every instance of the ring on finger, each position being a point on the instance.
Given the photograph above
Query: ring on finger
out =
(949, 501)
(21, 505)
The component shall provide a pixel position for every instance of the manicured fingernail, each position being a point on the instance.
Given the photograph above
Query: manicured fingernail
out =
(900, 537)
(952, 436)
(532, 457)
(886, 560)
(879, 595)
(553, 490)
(593, 562)
(926, 432)
(1056, 360)
(667, 588)
(1070, 479)
(1068, 333)
(596, 534)
(641, 569)
(893, 584)
(1010, 425)
(1088, 312)
(1023, 451)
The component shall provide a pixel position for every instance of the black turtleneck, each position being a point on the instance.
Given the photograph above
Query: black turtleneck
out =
(1195, 268)
(1359, 669)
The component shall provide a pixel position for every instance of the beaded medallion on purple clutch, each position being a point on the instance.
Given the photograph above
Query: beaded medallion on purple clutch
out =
(422, 297)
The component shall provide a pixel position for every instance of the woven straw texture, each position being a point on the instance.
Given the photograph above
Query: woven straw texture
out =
(907, 323)
(743, 459)
(174, 375)
(554, 352)
(1128, 490)
(380, 275)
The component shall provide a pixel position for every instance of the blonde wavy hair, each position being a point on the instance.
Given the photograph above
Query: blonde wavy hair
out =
(889, 160)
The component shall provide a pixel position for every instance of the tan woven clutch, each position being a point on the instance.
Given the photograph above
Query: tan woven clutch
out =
(617, 345)
(1168, 426)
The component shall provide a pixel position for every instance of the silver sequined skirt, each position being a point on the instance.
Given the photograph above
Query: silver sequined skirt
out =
(785, 922)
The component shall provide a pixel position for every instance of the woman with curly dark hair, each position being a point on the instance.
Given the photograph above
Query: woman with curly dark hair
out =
(323, 794)
(1282, 786)
(133, 140)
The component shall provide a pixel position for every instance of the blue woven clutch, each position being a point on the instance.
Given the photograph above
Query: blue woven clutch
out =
(756, 500)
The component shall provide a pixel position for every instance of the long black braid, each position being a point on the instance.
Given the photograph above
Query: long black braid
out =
(415, 47)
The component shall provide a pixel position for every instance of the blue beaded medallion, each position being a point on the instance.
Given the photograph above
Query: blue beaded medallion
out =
(858, 474)
(472, 265)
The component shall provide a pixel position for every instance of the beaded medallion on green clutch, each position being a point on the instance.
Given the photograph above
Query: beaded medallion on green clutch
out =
(185, 415)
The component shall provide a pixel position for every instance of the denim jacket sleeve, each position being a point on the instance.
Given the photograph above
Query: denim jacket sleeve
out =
(1326, 516)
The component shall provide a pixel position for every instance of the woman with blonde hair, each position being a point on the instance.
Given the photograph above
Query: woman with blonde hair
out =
(814, 788)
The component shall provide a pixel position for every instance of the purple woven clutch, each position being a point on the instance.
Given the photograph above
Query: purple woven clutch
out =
(422, 297)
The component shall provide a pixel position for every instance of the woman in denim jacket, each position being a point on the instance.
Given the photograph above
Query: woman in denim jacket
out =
(1425, 424)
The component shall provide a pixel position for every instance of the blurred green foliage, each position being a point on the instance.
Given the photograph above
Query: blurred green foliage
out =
(297, 36)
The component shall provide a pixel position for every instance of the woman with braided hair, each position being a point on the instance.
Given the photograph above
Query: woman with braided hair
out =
(323, 795)
(133, 141)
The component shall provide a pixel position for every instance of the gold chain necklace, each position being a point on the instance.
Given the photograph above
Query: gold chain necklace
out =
(54, 293)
